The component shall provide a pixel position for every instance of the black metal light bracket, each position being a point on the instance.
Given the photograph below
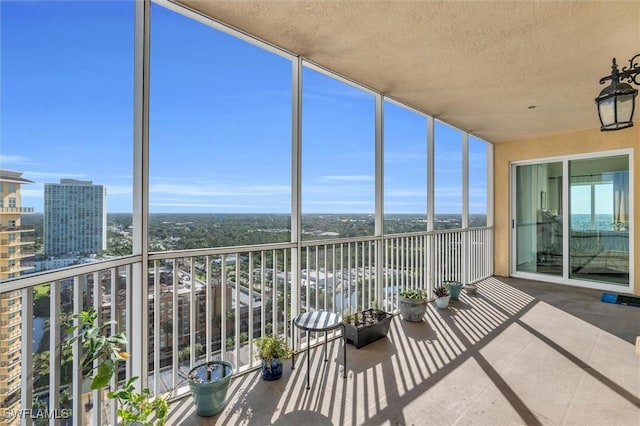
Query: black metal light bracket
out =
(631, 73)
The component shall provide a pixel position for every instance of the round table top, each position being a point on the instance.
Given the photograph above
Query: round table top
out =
(318, 321)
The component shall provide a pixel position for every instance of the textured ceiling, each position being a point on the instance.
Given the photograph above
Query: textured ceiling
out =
(478, 65)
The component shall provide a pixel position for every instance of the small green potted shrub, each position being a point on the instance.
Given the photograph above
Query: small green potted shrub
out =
(442, 296)
(108, 350)
(272, 350)
(97, 345)
(139, 408)
(412, 304)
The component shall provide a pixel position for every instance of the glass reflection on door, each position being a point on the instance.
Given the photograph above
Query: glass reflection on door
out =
(538, 218)
(599, 221)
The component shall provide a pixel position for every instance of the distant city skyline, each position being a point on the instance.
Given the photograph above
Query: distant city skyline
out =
(220, 121)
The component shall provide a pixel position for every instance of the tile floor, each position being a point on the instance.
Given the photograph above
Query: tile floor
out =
(517, 353)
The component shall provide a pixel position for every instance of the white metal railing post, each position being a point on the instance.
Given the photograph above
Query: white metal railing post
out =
(97, 394)
(26, 376)
(175, 319)
(115, 329)
(76, 389)
(155, 301)
(54, 348)
(209, 311)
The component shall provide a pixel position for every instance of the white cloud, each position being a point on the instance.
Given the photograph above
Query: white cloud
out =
(13, 159)
(53, 176)
(219, 190)
(422, 193)
(200, 205)
(350, 178)
(118, 190)
(339, 203)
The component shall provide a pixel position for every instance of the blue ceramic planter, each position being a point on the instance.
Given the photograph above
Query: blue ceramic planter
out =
(272, 370)
(454, 288)
(209, 383)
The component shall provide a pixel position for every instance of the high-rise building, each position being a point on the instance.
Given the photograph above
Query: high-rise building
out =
(75, 218)
(15, 251)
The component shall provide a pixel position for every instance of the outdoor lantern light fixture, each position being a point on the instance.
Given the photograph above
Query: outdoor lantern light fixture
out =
(617, 101)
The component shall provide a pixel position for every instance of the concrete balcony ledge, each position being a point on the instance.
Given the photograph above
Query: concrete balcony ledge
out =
(517, 353)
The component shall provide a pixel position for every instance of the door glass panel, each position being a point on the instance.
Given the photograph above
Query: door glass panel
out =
(599, 200)
(539, 218)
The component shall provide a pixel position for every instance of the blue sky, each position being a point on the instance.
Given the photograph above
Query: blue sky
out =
(220, 120)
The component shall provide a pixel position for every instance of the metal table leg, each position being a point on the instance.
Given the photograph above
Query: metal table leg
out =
(344, 351)
(326, 358)
(308, 360)
(293, 346)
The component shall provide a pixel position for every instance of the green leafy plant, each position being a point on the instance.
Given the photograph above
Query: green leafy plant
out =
(441, 291)
(271, 347)
(139, 407)
(367, 316)
(414, 294)
(97, 344)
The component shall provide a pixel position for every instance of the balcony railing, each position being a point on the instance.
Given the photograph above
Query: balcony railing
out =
(16, 209)
(17, 241)
(212, 303)
(22, 228)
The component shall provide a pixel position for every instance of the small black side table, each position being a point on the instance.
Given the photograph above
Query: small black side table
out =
(319, 321)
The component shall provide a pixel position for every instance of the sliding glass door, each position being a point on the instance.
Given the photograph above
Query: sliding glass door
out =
(538, 218)
(593, 200)
(599, 204)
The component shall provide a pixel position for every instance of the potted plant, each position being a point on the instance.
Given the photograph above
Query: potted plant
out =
(139, 408)
(412, 304)
(272, 350)
(98, 344)
(470, 288)
(209, 383)
(454, 288)
(366, 326)
(441, 293)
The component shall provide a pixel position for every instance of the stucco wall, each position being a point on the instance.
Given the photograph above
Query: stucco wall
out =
(588, 141)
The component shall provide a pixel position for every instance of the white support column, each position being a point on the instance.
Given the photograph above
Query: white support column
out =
(430, 202)
(379, 197)
(490, 188)
(296, 183)
(490, 206)
(465, 180)
(464, 267)
(138, 334)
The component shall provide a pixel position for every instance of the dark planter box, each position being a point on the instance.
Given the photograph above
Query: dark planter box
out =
(374, 326)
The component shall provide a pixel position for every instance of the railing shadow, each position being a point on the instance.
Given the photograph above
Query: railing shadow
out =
(385, 377)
